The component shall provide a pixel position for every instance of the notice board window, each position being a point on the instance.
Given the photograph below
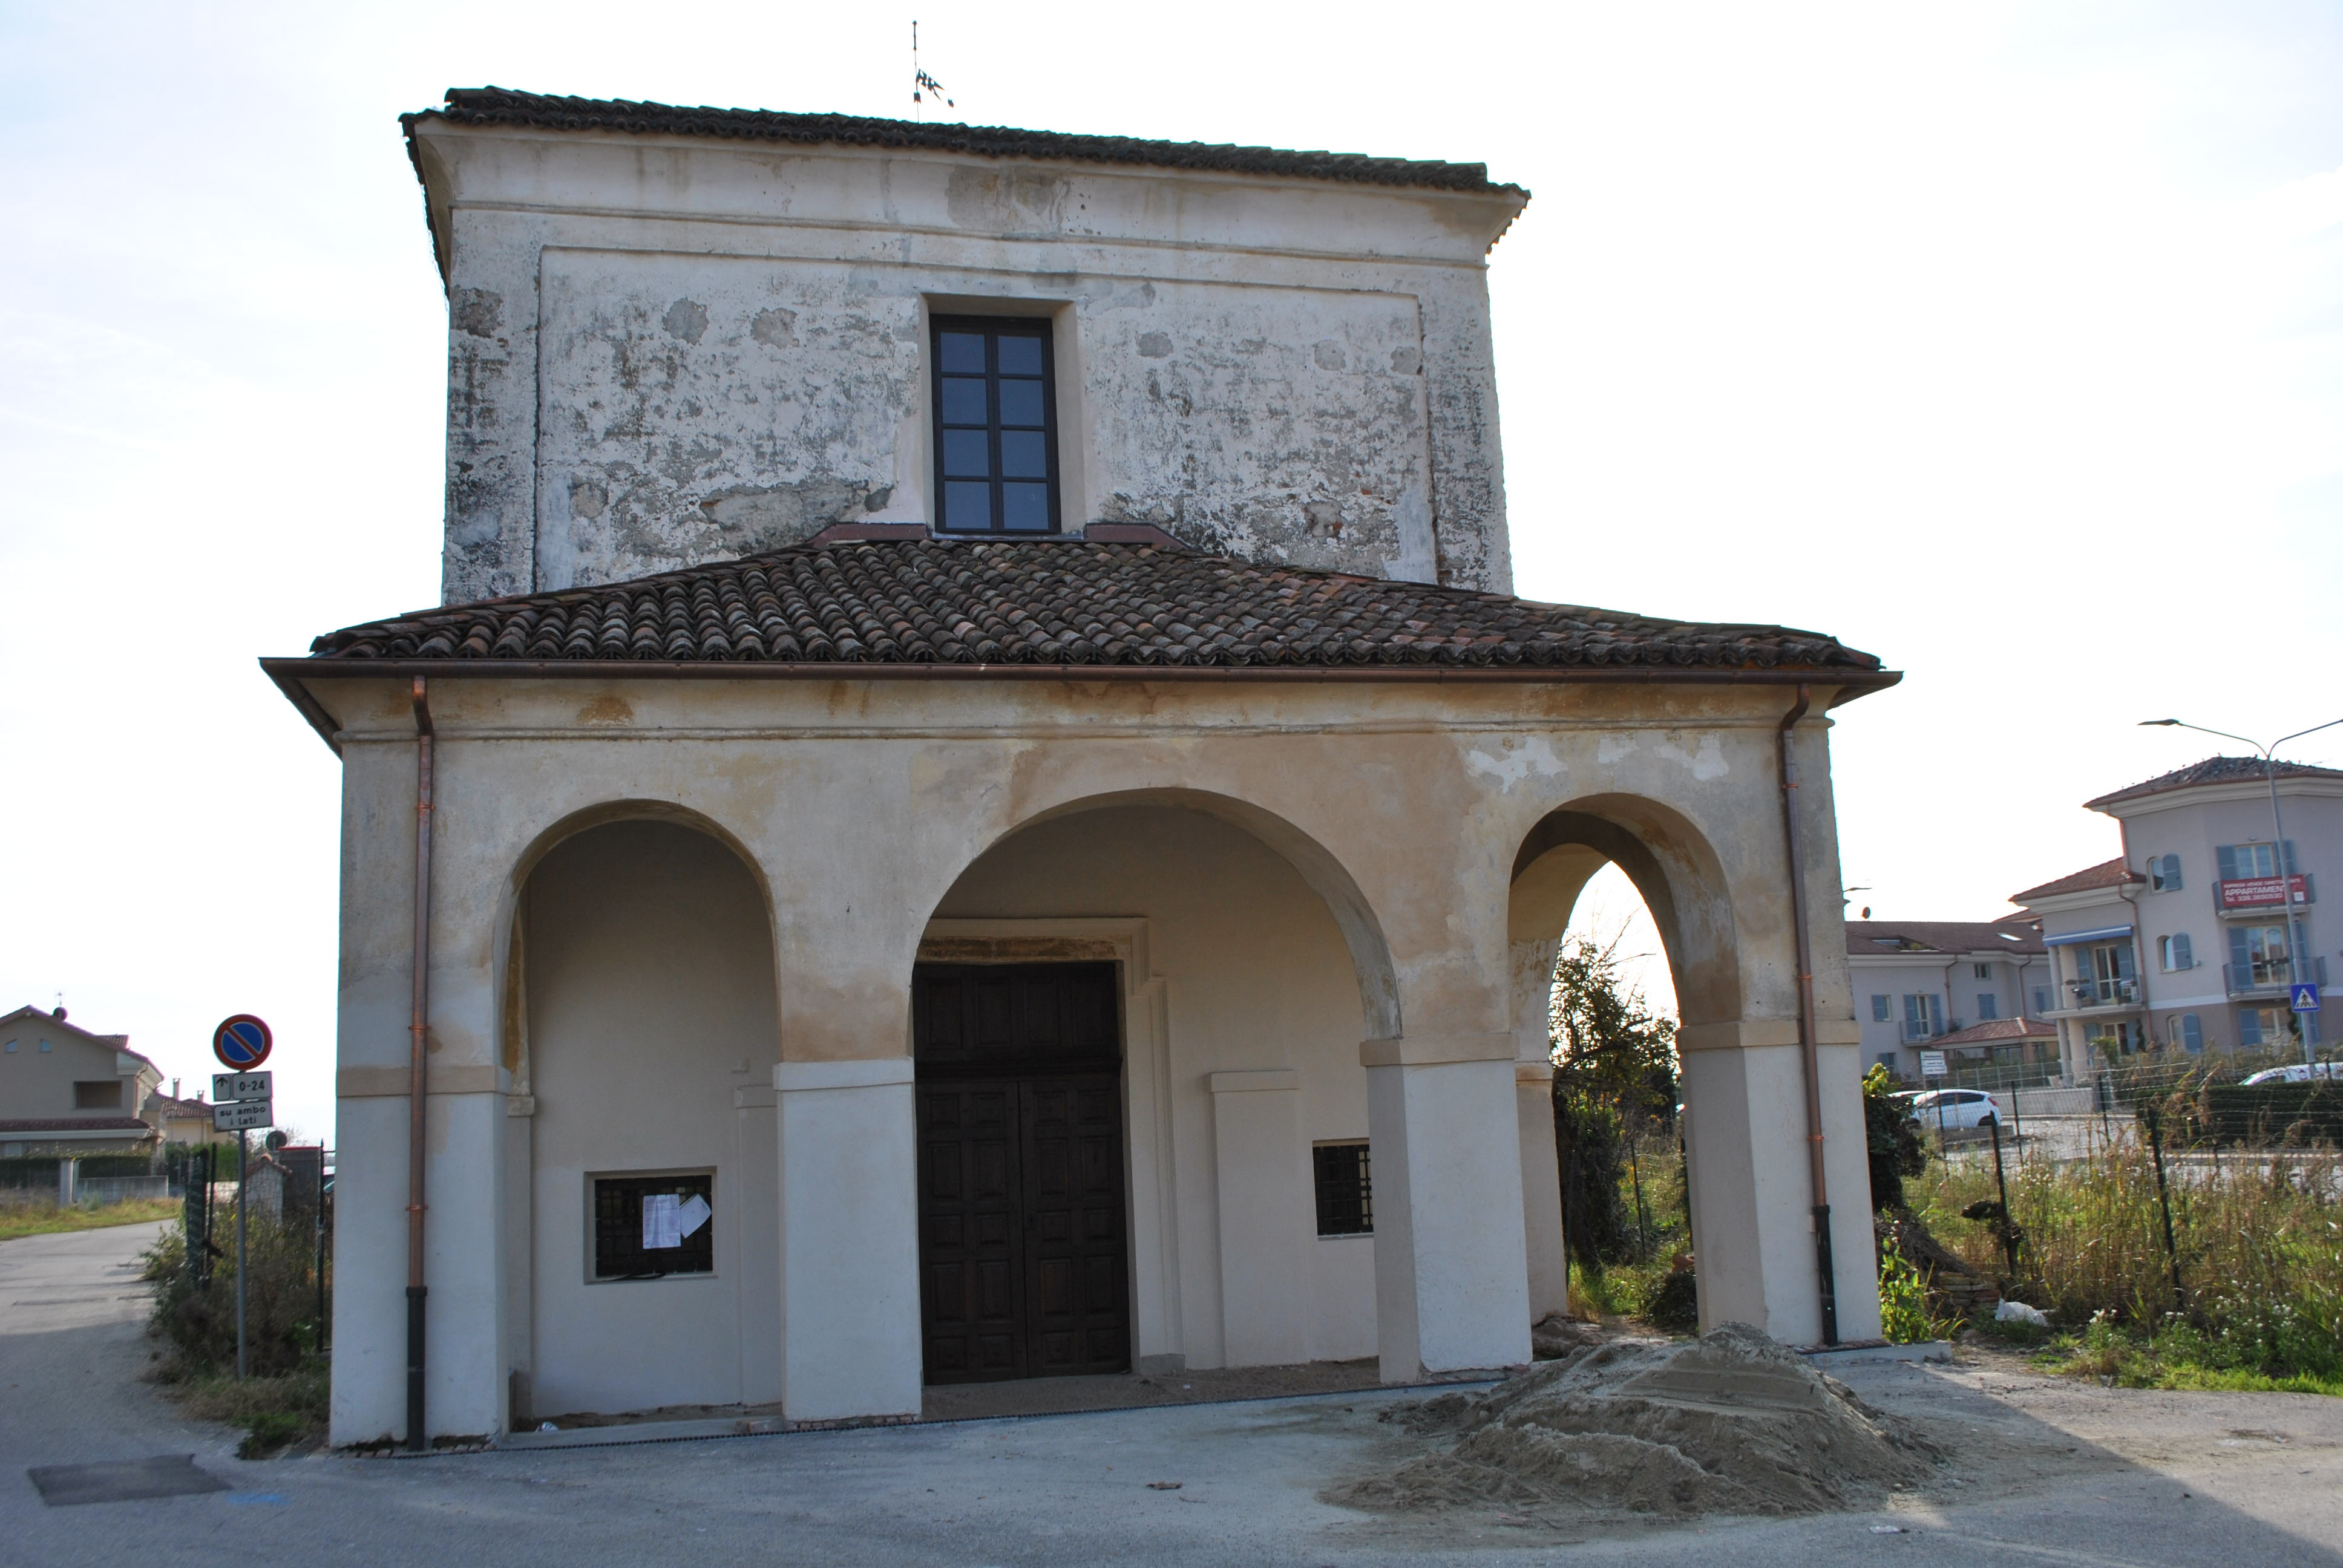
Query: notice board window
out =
(1345, 1191)
(649, 1227)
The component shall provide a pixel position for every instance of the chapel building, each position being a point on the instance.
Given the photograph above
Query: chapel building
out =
(978, 805)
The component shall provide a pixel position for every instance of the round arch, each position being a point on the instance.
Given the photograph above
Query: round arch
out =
(1675, 869)
(1320, 870)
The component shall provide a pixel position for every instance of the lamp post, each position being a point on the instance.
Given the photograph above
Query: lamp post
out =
(2297, 931)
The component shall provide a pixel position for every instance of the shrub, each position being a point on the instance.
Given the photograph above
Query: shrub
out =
(198, 1321)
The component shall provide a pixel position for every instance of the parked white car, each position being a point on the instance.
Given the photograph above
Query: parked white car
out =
(2301, 1072)
(1955, 1110)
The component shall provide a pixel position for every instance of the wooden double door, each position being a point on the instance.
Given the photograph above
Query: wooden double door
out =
(1023, 1253)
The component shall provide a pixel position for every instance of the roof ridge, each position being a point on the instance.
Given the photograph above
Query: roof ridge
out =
(508, 106)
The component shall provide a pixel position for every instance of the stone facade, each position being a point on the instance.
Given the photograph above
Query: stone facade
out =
(665, 349)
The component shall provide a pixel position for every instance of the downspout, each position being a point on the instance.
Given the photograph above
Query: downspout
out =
(1808, 1054)
(417, 1069)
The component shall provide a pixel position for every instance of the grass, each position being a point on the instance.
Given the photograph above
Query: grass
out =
(48, 1219)
(2260, 1244)
(274, 1412)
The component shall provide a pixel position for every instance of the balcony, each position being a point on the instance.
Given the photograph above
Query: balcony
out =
(2091, 995)
(2268, 977)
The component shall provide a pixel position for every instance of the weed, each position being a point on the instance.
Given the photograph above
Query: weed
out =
(47, 1219)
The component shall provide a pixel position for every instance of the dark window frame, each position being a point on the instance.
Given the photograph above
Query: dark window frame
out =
(615, 1252)
(993, 328)
(1342, 1178)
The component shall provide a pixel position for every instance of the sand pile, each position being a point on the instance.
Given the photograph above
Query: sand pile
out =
(1730, 1423)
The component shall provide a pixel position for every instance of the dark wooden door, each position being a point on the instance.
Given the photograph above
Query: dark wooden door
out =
(1023, 1252)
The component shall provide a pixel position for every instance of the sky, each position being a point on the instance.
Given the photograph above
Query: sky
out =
(2005, 342)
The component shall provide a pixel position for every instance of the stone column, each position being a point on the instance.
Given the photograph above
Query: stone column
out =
(850, 1239)
(1451, 1266)
(1266, 1217)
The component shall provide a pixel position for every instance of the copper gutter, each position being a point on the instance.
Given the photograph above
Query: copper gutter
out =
(1809, 1055)
(417, 1069)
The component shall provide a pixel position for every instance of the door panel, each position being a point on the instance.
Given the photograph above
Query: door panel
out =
(1021, 1230)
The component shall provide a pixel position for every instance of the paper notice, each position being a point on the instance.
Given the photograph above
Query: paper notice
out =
(692, 1215)
(659, 1226)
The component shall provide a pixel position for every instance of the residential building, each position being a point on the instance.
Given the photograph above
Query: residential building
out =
(67, 1092)
(1000, 821)
(2183, 942)
(1925, 984)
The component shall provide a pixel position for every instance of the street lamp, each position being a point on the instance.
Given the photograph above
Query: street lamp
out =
(2298, 931)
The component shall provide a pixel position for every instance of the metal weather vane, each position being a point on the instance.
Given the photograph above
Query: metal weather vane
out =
(924, 86)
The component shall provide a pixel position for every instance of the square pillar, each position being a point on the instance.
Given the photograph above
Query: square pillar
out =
(1549, 1259)
(1451, 1270)
(850, 1239)
(1752, 1193)
(1266, 1216)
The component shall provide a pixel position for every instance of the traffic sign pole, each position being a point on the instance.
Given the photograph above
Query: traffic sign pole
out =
(240, 1184)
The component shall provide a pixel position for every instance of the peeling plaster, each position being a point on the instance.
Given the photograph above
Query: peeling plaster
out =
(1707, 763)
(1517, 759)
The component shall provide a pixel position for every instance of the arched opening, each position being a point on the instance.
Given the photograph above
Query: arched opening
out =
(640, 1017)
(1659, 885)
(1147, 1195)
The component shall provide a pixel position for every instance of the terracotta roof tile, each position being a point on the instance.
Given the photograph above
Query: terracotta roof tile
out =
(1995, 1029)
(2105, 874)
(2213, 770)
(943, 603)
(504, 107)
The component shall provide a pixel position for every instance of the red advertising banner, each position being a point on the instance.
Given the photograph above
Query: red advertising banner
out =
(2245, 892)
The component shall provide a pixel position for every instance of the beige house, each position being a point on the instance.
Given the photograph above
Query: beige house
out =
(2183, 941)
(67, 1092)
(879, 925)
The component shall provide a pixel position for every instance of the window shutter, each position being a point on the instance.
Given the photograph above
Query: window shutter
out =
(2249, 1026)
(2183, 955)
(1879, 1010)
(2192, 1034)
(2171, 873)
(2289, 857)
(2241, 956)
(2228, 856)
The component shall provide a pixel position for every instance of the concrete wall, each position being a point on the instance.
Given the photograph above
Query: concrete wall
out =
(1404, 811)
(650, 1047)
(665, 350)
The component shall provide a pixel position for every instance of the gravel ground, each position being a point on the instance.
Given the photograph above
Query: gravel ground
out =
(2042, 1471)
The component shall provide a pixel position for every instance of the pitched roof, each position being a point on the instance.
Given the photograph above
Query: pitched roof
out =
(2212, 770)
(940, 603)
(1997, 1029)
(47, 1018)
(1872, 938)
(2105, 874)
(504, 107)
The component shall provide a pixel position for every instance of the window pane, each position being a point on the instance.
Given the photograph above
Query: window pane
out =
(1020, 355)
(1020, 403)
(963, 401)
(968, 505)
(1024, 455)
(1025, 507)
(962, 351)
(967, 454)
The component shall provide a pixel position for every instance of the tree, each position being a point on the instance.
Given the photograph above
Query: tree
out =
(1614, 1077)
(1891, 1139)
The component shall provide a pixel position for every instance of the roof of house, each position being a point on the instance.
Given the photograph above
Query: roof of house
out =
(1057, 603)
(504, 107)
(166, 1105)
(2105, 874)
(74, 1124)
(1997, 1029)
(1873, 937)
(2213, 770)
(51, 1020)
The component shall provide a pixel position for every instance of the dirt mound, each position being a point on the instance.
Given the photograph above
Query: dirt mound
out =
(1730, 1423)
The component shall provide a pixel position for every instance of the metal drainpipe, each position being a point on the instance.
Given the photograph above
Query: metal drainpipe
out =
(418, 1071)
(1809, 1053)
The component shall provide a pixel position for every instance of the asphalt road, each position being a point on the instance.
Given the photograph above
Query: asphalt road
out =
(2045, 1472)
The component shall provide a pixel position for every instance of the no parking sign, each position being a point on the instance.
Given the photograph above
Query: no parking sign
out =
(242, 1042)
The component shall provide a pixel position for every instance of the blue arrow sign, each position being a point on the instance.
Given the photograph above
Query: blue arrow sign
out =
(2306, 997)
